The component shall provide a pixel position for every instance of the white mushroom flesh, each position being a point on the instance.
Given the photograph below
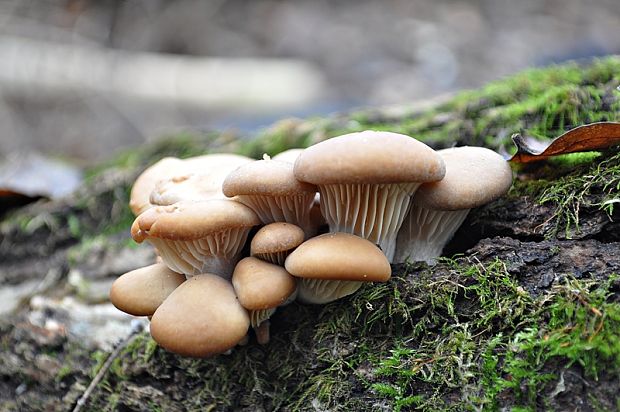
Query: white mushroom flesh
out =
(371, 211)
(426, 232)
(291, 209)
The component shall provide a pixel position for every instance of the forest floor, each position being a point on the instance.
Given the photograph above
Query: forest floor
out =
(523, 313)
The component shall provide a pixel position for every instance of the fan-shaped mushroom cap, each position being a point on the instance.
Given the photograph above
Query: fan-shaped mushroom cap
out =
(195, 237)
(474, 176)
(144, 184)
(339, 256)
(334, 265)
(366, 180)
(202, 179)
(265, 177)
(262, 285)
(141, 291)
(271, 190)
(289, 155)
(369, 157)
(275, 241)
(202, 317)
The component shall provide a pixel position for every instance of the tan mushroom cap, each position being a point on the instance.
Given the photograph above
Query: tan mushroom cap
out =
(141, 291)
(474, 176)
(339, 256)
(202, 317)
(369, 157)
(275, 238)
(289, 155)
(202, 179)
(265, 177)
(148, 179)
(262, 285)
(192, 220)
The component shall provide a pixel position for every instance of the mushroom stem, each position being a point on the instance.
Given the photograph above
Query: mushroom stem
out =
(425, 232)
(371, 211)
(262, 332)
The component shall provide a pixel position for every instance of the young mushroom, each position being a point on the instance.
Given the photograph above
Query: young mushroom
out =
(270, 189)
(366, 181)
(275, 241)
(141, 291)
(201, 318)
(261, 287)
(335, 265)
(474, 176)
(197, 237)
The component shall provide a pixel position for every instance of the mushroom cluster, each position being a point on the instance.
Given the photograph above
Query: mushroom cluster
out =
(333, 216)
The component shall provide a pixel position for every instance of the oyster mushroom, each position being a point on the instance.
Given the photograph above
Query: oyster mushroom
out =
(474, 176)
(334, 265)
(366, 181)
(141, 291)
(201, 318)
(270, 189)
(275, 241)
(261, 287)
(197, 237)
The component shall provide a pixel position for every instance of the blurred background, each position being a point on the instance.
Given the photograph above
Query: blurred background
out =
(81, 79)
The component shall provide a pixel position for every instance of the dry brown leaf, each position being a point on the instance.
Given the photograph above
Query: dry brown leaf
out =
(589, 137)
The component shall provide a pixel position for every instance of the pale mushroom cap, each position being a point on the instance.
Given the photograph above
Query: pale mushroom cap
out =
(202, 179)
(276, 237)
(474, 176)
(262, 285)
(148, 179)
(369, 157)
(265, 177)
(339, 256)
(289, 155)
(141, 291)
(192, 220)
(202, 317)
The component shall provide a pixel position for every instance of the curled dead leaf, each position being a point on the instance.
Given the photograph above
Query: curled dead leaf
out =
(594, 136)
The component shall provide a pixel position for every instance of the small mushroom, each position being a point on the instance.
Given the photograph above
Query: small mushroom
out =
(366, 180)
(474, 176)
(271, 190)
(141, 291)
(197, 237)
(275, 241)
(201, 318)
(261, 287)
(334, 265)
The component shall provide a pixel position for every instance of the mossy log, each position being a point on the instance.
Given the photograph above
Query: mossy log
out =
(523, 313)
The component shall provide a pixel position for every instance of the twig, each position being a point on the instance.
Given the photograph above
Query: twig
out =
(136, 328)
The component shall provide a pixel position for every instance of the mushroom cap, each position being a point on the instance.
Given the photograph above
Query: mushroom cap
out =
(192, 220)
(339, 256)
(289, 155)
(474, 176)
(262, 285)
(148, 179)
(265, 177)
(369, 157)
(202, 317)
(141, 291)
(276, 237)
(202, 179)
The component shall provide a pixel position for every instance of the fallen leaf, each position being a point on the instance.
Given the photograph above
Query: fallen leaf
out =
(594, 136)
